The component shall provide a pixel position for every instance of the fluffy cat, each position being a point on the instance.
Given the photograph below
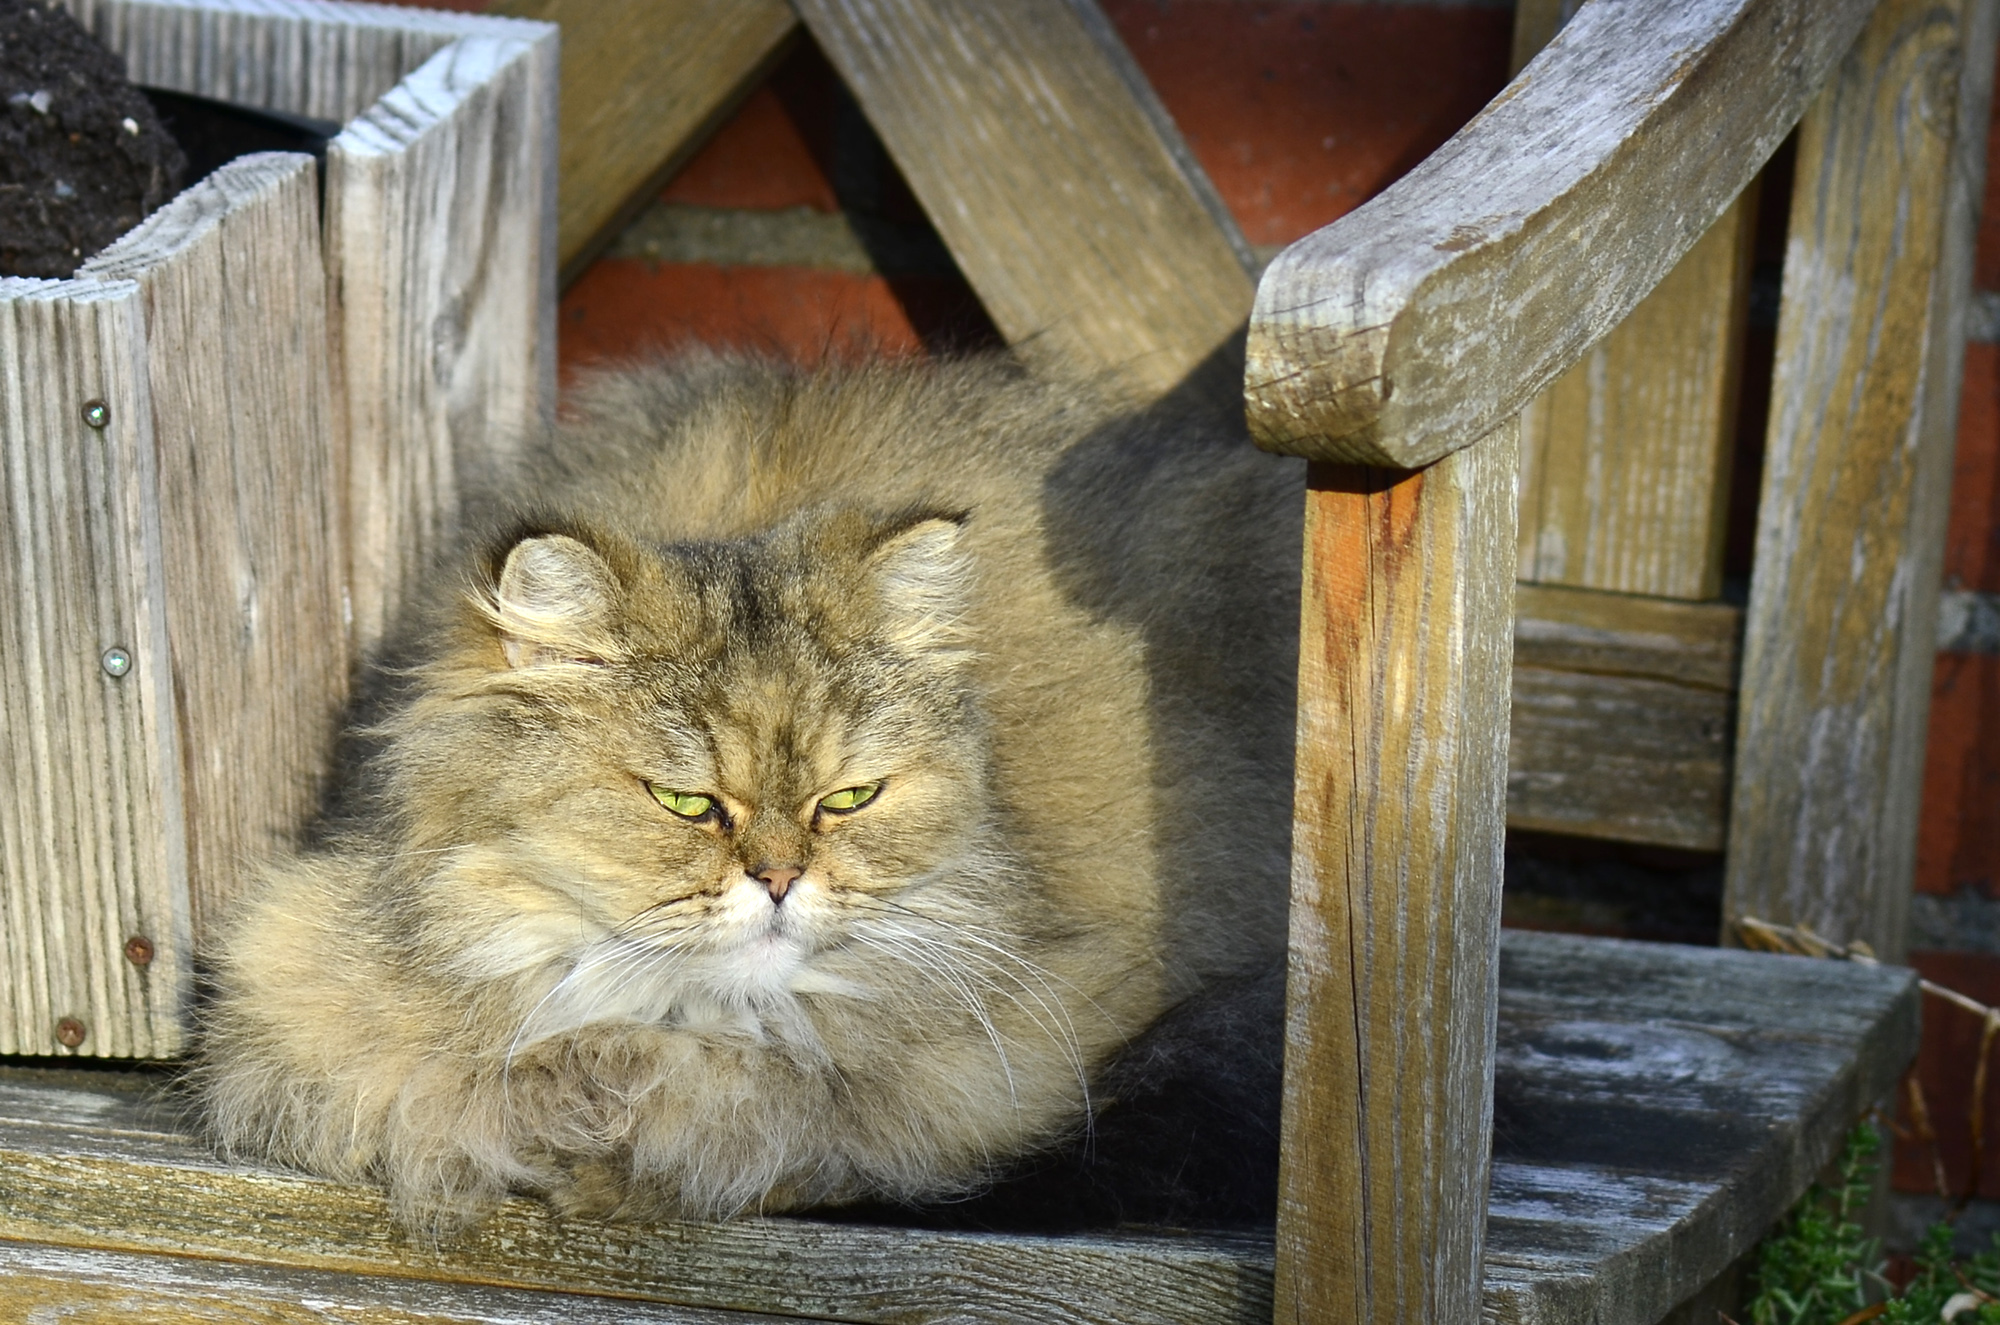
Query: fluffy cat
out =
(813, 784)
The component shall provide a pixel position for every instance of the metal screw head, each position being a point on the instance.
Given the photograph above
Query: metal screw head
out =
(116, 661)
(139, 950)
(70, 1032)
(96, 413)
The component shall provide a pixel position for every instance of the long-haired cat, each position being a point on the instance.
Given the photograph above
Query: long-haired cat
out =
(816, 780)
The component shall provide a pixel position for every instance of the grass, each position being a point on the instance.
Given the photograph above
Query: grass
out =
(1819, 1268)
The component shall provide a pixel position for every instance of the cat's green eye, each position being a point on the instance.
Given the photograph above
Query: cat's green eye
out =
(849, 799)
(684, 803)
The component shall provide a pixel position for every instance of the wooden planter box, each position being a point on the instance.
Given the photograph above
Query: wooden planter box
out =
(224, 446)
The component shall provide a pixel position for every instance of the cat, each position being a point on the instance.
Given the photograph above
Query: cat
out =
(802, 793)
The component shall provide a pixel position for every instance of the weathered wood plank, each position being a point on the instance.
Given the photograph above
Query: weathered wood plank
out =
(1658, 1041)
(1396, 864)
(303, 57)
(1417, 323)
(1625, 458)
(439, 232)
(254, 553)
(644, 83)
(1628, 758)
(440, 251)
(1622, 715)
(1842, 618)
(66, 1284)
(1052, 173)
(1660, 1107)
(177, 1199)
(91, 831)
(1627, 635)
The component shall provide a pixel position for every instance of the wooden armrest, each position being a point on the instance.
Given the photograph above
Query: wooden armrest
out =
(1417, 323)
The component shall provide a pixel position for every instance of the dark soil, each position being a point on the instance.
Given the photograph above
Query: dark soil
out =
(83, 158)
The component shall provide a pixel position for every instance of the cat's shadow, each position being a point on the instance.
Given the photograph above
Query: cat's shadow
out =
(1186, 1131)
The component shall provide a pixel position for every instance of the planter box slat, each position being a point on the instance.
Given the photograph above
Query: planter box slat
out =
(302, 57)
(430, 193)
(234, 297)
(93, 848)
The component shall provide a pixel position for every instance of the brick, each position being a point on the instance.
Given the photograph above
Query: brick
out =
(621, 308)
(1972, 545)
(1958, 840)
(760, 159)
(1945, 1066)
(1302, 111)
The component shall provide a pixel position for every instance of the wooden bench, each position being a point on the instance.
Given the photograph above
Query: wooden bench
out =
(1545, 1128)
(1656, 1109)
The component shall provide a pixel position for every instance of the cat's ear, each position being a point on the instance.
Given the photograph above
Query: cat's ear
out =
(924, 580)
(555, 603)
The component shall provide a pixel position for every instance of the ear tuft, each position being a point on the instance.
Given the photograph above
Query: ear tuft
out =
(924, 579)
(555, 603)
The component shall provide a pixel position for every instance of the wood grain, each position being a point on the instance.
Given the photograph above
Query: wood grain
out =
(303, 57)
(1622, 757)
(1623, 711)
(1659, 1108)
(1052, 173)
(440, 253)
(1421, 320)
(1745, 1069)
(439, 233)
(1625, 458)
(1842, 618)
(1626, 635)
(644, 83)
(89, 1287)
(1396, 851)
(91, 830)
(253, 548)
(175, 1197)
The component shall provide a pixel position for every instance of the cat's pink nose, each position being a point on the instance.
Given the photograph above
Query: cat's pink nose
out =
(777, 879)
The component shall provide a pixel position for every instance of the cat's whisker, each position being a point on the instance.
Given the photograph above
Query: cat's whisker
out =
(972, 931)
(967, 997)
(1063, 1036)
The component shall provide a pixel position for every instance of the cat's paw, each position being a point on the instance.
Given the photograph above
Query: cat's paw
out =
(592, 1187)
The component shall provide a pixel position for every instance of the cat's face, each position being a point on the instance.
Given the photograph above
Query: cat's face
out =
(681, 778)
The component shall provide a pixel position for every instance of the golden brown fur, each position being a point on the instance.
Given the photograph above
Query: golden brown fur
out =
(1057, 635)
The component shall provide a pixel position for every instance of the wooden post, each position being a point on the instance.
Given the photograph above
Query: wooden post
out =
(1842, 617)
(1404, 658)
